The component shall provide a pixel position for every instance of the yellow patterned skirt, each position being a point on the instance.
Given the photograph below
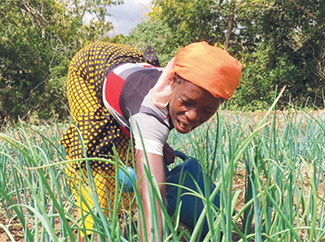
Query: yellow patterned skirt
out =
(94, 131)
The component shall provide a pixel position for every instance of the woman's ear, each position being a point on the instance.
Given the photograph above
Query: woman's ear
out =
(173, 81)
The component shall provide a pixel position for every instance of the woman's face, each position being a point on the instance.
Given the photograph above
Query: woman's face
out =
(190, 105)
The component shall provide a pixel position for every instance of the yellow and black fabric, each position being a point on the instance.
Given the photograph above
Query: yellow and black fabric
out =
(150, 55)
(94, 131)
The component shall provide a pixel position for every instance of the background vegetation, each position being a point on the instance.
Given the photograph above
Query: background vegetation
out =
(278, 43)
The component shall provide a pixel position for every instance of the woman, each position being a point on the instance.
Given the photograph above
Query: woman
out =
(115, 91)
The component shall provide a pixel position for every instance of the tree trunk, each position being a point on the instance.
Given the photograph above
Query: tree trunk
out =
(230, 24)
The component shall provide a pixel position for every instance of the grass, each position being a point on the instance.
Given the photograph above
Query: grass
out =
(269, 169)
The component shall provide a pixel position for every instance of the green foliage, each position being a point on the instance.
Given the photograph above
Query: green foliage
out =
(254, 92)
(92, 14)
(190, 20)
(153, 33)
(278, 43)
(293, 33)
(38, 39)
(30, 46)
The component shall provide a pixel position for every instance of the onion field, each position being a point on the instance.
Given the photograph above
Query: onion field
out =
(268, 166)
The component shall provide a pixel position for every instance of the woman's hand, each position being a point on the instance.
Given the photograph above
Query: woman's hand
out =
(169, 154)
(157, 170)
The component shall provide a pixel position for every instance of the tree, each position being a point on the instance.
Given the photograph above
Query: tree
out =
(278, 42)
(295, 32)
(230, 23)
(190, 20)
(153, 33)
(93, 16)
(38, 39)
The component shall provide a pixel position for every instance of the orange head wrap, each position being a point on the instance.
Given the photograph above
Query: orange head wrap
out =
(204, 65)
(209, 67)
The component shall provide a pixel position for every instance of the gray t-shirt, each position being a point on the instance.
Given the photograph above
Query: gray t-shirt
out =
(127, 94)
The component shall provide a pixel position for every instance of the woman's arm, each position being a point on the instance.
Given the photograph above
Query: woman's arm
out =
(157, 170)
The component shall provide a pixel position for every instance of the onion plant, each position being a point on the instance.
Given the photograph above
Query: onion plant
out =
(282, 155)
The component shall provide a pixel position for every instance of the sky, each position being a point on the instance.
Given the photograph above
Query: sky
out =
(126, 16)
